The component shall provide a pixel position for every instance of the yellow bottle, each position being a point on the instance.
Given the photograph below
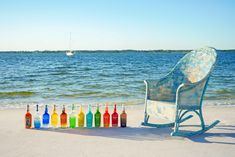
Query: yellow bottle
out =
(81, 116)
(54, 118)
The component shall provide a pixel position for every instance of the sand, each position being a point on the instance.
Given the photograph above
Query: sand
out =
(134, 140)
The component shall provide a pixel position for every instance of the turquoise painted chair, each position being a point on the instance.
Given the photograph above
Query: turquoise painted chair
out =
(181, 91)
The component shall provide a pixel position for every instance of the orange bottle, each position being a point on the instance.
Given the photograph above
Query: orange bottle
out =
(28, 119)
(115, 117)
(106, 117)
(63, 118)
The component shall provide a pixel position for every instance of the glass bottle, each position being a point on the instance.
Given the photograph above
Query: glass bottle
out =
(81, 116)
(123, 117)
(97, 117)
(63, 118)
(72, 118)
(28, 119)
(89, 118)
(106, 117)
(54, 118)
(46, 118)
(115, 117)
(37, 119)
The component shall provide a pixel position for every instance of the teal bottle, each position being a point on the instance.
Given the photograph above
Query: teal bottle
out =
(46, 118)
(89, 118)
(37, 119)
(72, 118)
(97, 117)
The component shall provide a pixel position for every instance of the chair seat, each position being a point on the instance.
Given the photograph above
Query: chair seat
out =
(162, 109)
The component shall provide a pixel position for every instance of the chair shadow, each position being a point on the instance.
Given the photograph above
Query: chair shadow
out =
(150, 134)
(223, 133)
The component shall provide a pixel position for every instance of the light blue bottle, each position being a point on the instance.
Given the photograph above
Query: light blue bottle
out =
(89, 118)
(46, 118)
(37, 119)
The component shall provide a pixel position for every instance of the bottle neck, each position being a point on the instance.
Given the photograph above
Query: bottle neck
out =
(89, 108)
(37, 108)
(27, 108)
(63, 109)
(46, 109)
(115, 108)
(123, 109)
(106, 109)
(80, 111)
(54, 108)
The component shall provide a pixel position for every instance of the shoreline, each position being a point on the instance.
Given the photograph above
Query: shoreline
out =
(138, 102)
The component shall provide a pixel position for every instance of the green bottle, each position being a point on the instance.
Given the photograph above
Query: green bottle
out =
(89, 118)
(72, 118)
(97, 117)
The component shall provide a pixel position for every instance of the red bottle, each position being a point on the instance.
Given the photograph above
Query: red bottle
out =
(63, 118)
(28, 119)
(106, 117)
(115, 117)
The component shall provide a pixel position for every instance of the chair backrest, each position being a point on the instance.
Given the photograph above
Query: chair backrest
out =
(195, 66)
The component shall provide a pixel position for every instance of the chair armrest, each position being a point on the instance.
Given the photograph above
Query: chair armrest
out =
(189, 95)
(154, 83)
(159, 89)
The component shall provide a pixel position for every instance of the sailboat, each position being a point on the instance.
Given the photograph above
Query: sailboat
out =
(70, 52)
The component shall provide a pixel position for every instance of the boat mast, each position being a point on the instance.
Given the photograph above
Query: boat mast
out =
(70, 41)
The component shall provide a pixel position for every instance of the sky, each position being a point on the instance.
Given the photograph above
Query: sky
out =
(116, 24)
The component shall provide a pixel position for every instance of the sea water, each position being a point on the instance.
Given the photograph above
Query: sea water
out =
(98, 77)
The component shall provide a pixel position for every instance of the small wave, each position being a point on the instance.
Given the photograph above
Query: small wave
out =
(79, 94)
(115, 94)
(104, 75)
(59, 73)
(86, 69)
(17, 94)
(132, 102)
(224, 91)
(220, 97)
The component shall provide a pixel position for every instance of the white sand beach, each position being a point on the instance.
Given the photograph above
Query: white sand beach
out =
(131, 141)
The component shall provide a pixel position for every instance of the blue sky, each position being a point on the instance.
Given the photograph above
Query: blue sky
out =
(116, 24)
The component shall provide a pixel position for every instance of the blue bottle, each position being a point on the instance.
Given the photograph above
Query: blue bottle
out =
(46, 118)
(37, 119)
(89, 118)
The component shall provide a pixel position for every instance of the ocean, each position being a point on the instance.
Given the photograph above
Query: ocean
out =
(91, 77)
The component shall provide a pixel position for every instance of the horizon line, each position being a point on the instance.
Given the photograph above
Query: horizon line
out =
(232, 49)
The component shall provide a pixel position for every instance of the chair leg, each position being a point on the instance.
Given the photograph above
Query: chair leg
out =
(146, 118)
(202, 120)
(176, 127)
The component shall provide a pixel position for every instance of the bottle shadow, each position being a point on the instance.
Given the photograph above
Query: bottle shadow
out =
(130, 133)
(222, 136)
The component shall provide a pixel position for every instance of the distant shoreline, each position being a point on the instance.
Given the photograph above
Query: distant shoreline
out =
(110, 51)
